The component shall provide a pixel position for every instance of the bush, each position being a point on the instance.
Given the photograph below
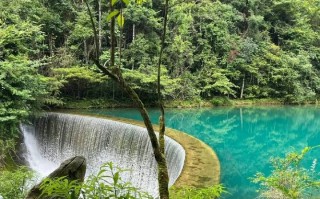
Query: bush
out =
(13, 184)
(106, 184)
(221, 101)
(197, 193)
(289, 179)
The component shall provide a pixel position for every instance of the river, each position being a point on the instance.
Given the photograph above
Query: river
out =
(244, 138)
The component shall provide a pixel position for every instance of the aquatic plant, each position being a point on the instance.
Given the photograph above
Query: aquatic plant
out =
(289, 178)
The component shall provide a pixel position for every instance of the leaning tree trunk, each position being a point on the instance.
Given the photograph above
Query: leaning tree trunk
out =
(99, 23)
(116, 76)
(163, 176)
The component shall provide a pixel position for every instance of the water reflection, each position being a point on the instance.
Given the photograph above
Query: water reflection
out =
(244, 138)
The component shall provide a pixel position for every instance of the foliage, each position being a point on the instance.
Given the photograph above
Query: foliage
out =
(271, 46)
(78, 79)
(107, 183)
(221, 101)
(289, 179)
(144, 80)
(60, 187)
(13, 184)
(6, 147)
(22, 88)
(198, 193)
(249, 49)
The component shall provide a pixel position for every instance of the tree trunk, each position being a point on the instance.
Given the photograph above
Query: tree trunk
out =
(241, 118)
(50, 42)
(113, 90)
(133, 32)
(163, 177)
(99, 21)
(115, 75)
(113, 37)
(163, 169)
(242, 87)
(85, 51)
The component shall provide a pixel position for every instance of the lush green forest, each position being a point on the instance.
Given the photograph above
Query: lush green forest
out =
(247, 49)
(236, 49)
(232, 49)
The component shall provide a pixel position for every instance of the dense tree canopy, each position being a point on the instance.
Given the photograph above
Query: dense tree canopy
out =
(22, 87)
(236, 49)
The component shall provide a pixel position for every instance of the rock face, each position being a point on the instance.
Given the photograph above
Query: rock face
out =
(73, 169)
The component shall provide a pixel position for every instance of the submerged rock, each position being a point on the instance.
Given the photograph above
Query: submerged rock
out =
(73, 169)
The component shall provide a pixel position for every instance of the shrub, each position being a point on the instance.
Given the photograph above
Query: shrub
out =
(13, 184)
(197, 193)
(106, 184)
(221, 101)
(289, 179)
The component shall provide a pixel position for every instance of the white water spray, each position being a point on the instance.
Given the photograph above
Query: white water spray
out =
(56, 137)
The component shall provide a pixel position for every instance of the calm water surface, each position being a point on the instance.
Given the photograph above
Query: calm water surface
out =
(244, 138)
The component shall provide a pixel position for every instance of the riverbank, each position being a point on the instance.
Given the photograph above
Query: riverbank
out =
(217, 101)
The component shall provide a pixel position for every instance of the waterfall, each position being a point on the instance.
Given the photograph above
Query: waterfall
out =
(55, 137)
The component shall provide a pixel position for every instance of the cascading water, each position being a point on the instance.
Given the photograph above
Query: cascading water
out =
(55, 137)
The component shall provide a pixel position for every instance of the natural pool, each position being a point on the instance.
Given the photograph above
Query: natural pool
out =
(244, 138)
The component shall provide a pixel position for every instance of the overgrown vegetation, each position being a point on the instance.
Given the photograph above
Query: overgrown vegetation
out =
(248, 49)
(107, 183)
(22, 88)
(198, 193)
(14, 184)
(289, 178)
(214, 51)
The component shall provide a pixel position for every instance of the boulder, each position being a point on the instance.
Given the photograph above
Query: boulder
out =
(73, 169)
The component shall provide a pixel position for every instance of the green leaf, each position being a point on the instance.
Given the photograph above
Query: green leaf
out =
(114, 2)
(120, 20)
(125, 1)
(112, 14)
(116, 178)
(139, 1)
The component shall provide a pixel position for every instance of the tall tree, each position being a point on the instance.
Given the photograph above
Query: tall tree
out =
(114, 72)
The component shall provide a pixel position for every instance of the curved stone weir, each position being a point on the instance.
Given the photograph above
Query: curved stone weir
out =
(55, 137)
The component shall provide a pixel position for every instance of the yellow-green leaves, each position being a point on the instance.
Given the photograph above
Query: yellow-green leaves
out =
(140, 1)
(306, 150)
(117, 13)
(126, 1)
(113, 2)
(120, 20)
(120, 17)
(112, 14)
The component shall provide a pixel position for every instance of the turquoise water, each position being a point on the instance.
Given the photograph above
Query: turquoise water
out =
(244, 138)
